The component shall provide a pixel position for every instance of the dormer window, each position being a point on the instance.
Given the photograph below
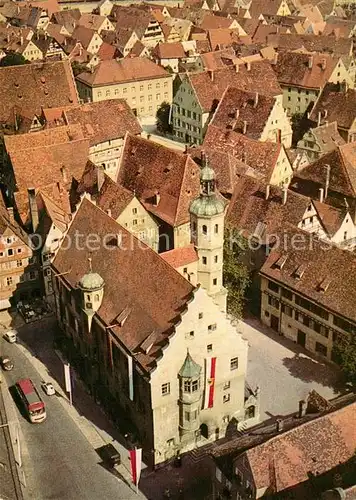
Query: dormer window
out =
(280, 262)
(298, 273)
(88, 298)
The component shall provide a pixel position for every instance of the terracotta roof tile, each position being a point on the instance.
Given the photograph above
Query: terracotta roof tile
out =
(152, 308)
(312, 43)
(321, 262)
(312, 448)
(330, 217)
(222, 37)
(169, 50)
(124, 70)
(293, 68)
(83, 35)
(91, 21)
(260, 156)
(209, 88)
(342, 163)
(327, 137)
(148, 168)
(100, 121)
(107, 51)
(215, 60)
(335, 105)
(113, 197)
(249, 207)
(243, 111)
(179, 257)
(30, 87)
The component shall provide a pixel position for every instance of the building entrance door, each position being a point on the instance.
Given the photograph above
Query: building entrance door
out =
(274, 323)
(301, 338)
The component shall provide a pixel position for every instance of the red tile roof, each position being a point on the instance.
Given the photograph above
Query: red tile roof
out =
(335, 104)
(148, 168)
(152, 309)
(179, 257)
(169, 50)
(305, 70)
(113, 197)
(240, 108)
(321, 262)
(312, 448)
(124, 70)
(30, 87)
(260, 156)
(258, 77)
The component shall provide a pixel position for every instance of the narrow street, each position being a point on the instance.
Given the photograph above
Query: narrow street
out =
(58, 460)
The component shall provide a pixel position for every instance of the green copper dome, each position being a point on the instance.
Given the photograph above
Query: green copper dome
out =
(91, 281)
(190, 368)
(206, 206)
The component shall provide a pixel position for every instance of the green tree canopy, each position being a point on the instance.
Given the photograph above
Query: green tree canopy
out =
(162, 119)
(236, 275)
(344, 352)
(12, 59)
(78, 68)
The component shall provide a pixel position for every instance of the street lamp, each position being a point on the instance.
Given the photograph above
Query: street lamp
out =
(17, 441)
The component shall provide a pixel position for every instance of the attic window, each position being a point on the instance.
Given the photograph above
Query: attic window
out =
(70, 99)
(46, 92)
(298, 273)
(16, 84)
(20, 96)
(43, 80)
(167, 169)
(324, 285)
(122, 317)
(280, 262)
(147, 344)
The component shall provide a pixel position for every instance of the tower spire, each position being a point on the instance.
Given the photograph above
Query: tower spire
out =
(90, 264)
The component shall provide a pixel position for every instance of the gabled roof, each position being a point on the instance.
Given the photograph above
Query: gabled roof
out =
(67, 18)
(305, 69)
(249, 207)
(181, 256)
(132, 17)
(330, 217)
(100, 121)
(243, 111)
(155, 307)
(50, 213)
(335, 104)
(147, 168)
(268, 7)
(173, 50)
(84, 35)
(342, 163)
(327, 137)
(256, 77)
(113, 197)
(30, 87)
(312, 43)
(124, 70)
(311, 449)
(92, 21)
(260, 156)
(39, 158)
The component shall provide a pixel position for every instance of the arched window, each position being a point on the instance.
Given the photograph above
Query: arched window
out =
(204, 229)
(216, 228)
(96, 298)
(88, 297)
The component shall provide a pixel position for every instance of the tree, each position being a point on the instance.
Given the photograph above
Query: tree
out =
(344, 352)
(78, 68)
(162, 119)
(236, 275)
(12, 59)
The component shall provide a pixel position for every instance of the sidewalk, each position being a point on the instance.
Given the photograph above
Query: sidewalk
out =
(95, 435)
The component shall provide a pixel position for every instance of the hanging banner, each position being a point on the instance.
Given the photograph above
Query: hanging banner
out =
(210, 367)
(136, 462)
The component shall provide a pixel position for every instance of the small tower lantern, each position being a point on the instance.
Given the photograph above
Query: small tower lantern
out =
(92, 290)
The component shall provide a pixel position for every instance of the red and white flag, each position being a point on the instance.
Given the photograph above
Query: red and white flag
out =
(210, 367)
(136, 461)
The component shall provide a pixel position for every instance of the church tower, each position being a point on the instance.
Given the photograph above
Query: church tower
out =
(207, 214)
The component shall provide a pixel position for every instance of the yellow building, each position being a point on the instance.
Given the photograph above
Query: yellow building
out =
(307, 291)
(141, 82)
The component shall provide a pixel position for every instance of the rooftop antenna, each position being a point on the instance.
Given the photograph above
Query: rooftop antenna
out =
(90, 264)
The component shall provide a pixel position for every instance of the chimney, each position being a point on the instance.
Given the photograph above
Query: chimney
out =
(275, 58)
(302, 409)
(279, 425)
(285, 194)
(21, 40)
(236, 67)
(323, 64)
(100, 177)
(33, 208)
(10, 211)
(157, 199)
(248, 66)
(244, 129)
(211, 74)
(203, 158)
(267, 191)
(327, 181)
(237, 113)
(64, 175)
(319, 118)
(255, 103)
(108, 211)
(321, 195)
(310, 62)
(8, 38)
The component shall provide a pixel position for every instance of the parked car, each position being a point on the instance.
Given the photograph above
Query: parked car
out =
(6, 363)
(48, 388)
(10, 336)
